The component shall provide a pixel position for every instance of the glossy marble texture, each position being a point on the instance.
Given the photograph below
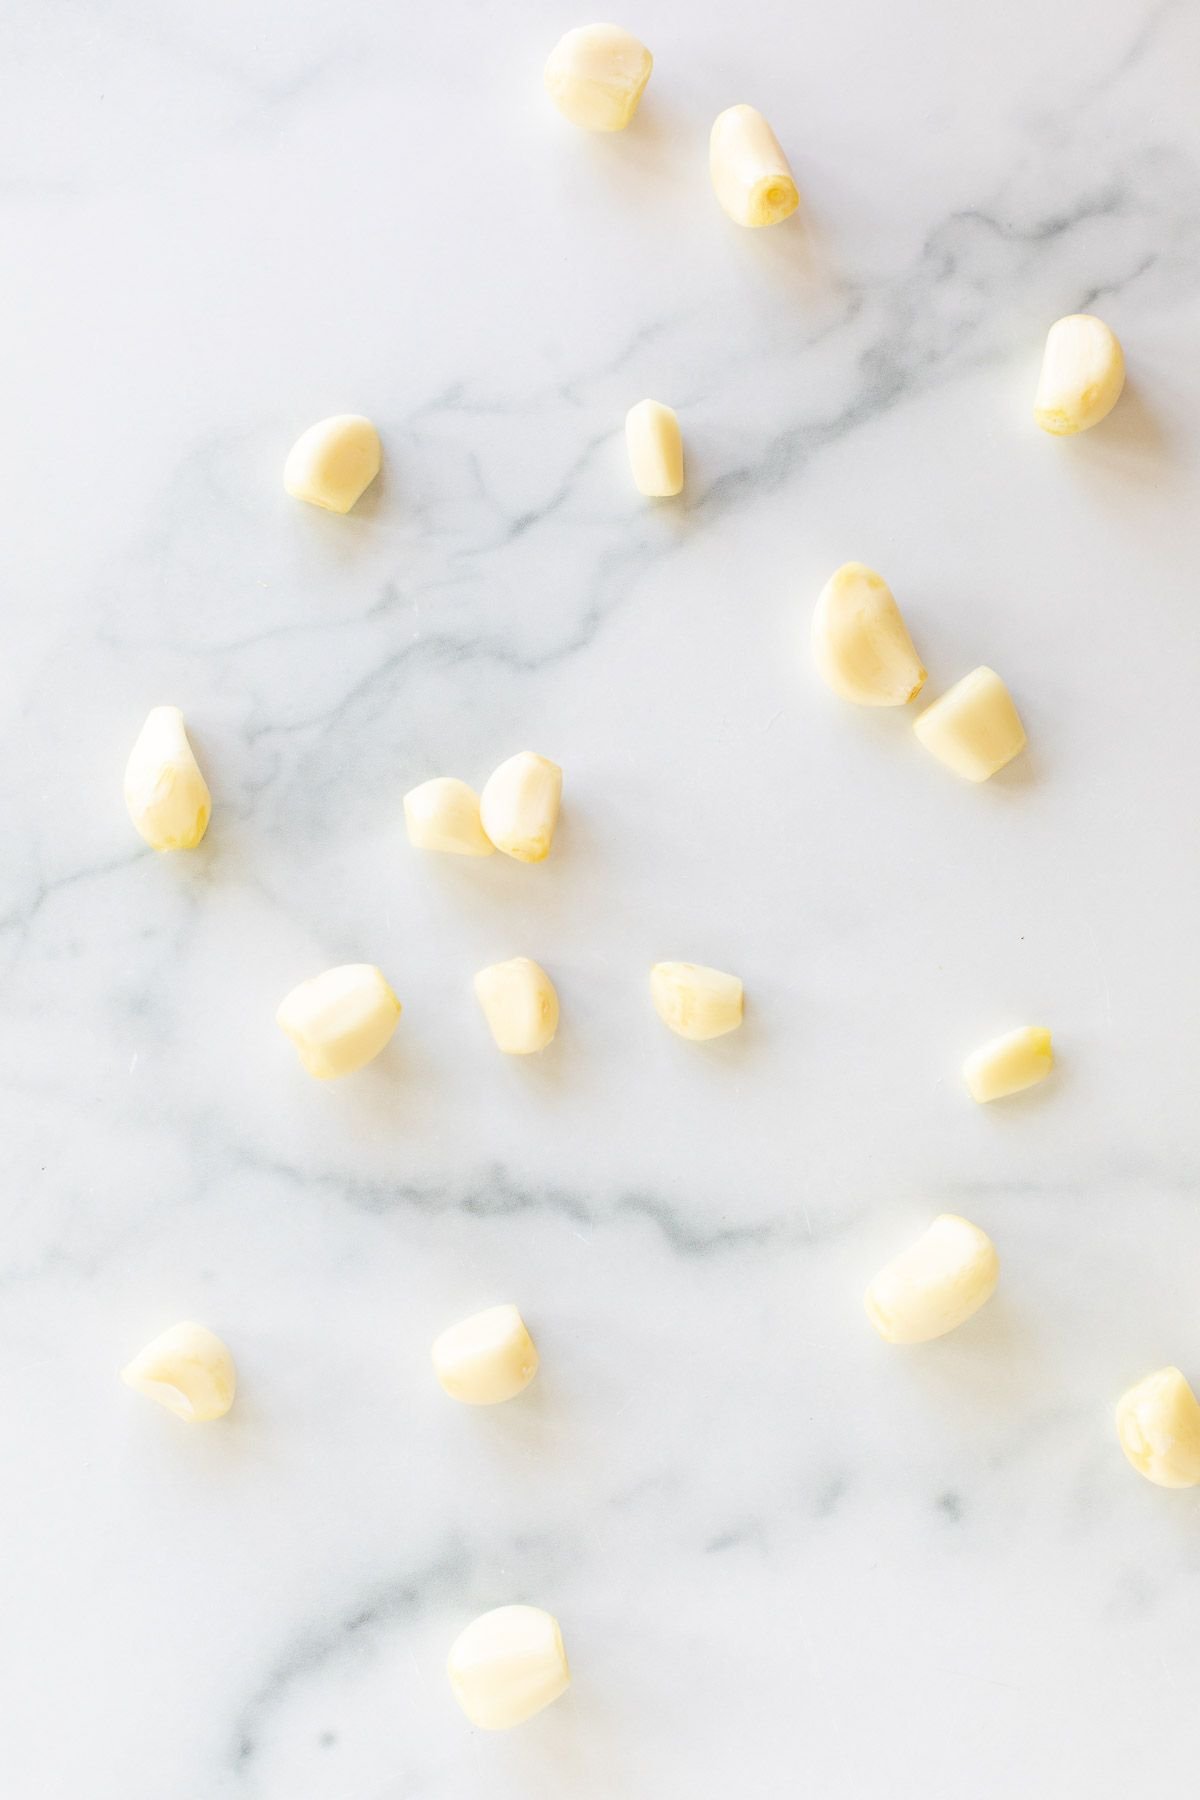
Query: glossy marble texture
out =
(786, 1557)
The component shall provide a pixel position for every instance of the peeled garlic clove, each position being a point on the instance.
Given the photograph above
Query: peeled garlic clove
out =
(507, 1665)
(167, 796)
(596, 74)
(974, 728)
(519, 1004)
(443, 814)
(696, 1002)
(487, 1358)
(860, 642)
(1158, 1423)
(655, 447)
(340, 1020)
(186, 1369)
(1083, 372)
(749, 171)
(934, 1285)
(1017, 1060)
(518, 807)
(333, 462)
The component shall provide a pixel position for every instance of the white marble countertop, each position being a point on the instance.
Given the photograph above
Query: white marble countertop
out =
(786, 1558)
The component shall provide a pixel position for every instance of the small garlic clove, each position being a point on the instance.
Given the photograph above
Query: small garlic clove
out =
(334, 462)
(860, 642)
(167, 796)
(596, 75)
(443, 815)
(340, 1020)
(518, 807)
(749, 171)
(487, 1358)
(186, 1369)
(507, 1665)
(1158, 1423)
(1083, 372)
(974, 728)
(519, 1004)
(935, 1285)
(696, 1002)
(1010, 1063)
(655, 447)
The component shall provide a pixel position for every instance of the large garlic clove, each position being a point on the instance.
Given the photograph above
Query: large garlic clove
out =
(860, 642)
(1009, 1064)
(749, 171)
(507, 1665)
(974, 728)
(655, 446)
(1083, 372)
(186, 1369)
(935, 1285)
(518, 807)
(487, 1358)
(340, 1020)
(443, 814)
(167, 796)
(334, 462)
(696, 1002)
(596, 75)
(519, 1004)
(1158, 1423)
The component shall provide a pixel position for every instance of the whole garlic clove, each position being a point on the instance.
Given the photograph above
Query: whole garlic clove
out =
(596, 76)
(935, 1285)
(655, 446)
(167, 796)
(860, 642)
(334, 462)
(519, 1004)
(1158, 1423)
(486, 1359)
(696, 1002)
(1083, 372)
(186, 1369)
(974, 728)
(341, 1020)
(518, 807)
(507, 1665)
(750, 173)
(1009, 1064)
(443, 815)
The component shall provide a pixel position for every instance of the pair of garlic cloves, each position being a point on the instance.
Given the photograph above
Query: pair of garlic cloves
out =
(517, 812)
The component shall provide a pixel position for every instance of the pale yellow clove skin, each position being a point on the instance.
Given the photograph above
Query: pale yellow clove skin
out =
(860, 642)
(443, 815)
(596, 76)
(486, 1359)
(1083, 373)
(655, 446)
(334, 462)
(696, 1002)
(188, 1370)
(518, 807)
(166, 795)
(750, 173)
(507, 1665)
(935, 1285)
(1009, 1064)
(519, 1004)
(340, 1020)
(1158, 1423)
(974, 728)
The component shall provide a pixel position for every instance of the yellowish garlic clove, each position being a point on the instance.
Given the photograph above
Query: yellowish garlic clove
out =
(186, 1369)
(1158, 1423)
(340, 1020)
(487, 1358)
(1083, 372)
(974, 728)
(749, 171)
(1008, 1064)
(334, 462)
(936, 1284)
(167, 796)
(507, 1665)
(655, 446)
(519, 1004)
(596, 76)
(443, 815)
(860, 642)
(696, 1002)
(518, 807)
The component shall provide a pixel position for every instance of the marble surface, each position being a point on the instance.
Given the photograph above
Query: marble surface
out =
(787, 1559)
